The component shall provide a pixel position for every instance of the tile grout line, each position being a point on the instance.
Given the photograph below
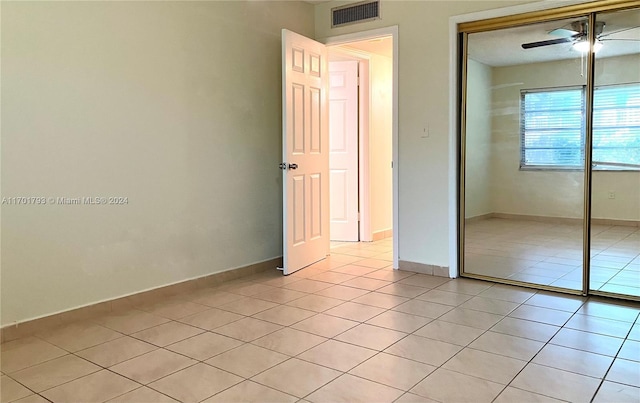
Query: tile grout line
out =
(538, 352)
(614, 359)
(315, 313)
(468, 346)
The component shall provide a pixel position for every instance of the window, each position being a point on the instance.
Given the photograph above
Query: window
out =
(553, 128)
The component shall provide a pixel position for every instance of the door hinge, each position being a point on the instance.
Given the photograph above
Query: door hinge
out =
(358, 216)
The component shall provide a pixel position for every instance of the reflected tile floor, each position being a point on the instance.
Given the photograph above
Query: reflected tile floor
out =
(551, 254)
(347, 329)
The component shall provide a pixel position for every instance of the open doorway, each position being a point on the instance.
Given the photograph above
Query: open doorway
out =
(361, 132)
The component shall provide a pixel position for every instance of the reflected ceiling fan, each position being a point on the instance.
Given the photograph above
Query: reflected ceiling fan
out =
(577, 34)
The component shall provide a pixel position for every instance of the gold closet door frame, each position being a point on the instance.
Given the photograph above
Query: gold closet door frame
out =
(589, 10)
(551, 14)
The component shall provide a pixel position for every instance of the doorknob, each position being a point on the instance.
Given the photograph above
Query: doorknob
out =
(293, 166)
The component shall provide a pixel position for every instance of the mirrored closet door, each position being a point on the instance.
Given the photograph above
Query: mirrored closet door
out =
(549, 148)
(615, 196)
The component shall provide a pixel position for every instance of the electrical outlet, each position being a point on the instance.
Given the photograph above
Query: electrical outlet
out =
(612, 195)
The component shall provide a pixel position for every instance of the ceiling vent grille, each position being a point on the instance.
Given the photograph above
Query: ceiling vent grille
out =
(352, 13)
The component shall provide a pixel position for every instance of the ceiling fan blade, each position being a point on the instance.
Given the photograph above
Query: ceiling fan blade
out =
(617, 31)
(621, 39)
(546, 43)
(563, 32)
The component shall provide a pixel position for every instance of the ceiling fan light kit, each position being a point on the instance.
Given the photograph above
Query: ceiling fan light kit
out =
(583, 46)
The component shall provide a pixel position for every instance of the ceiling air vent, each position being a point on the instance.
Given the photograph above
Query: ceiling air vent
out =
(355, 12)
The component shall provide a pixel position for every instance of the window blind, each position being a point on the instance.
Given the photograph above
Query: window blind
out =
(553, 127)
(616, 124)
(552, 132)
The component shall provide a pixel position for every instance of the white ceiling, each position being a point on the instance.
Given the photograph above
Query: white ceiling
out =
(503, 47)
(379, 46)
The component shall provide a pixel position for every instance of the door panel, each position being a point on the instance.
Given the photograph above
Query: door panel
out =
(305, 152)
(343, 106)
(316, 213)
(337, 132)
(338, 181)
(297, 207)
(297, 92)
(315, 116)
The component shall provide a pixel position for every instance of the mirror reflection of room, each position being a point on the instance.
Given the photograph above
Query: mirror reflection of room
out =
(525, 138)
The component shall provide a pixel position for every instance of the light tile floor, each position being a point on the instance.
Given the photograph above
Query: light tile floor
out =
(551, 254)
(348, 329)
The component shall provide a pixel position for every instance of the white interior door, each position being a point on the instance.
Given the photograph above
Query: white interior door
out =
(305, 145)
(343, 144)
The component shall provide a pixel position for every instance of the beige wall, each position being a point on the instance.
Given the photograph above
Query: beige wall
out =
(380, 142)
(478, 141)
(175, 105)
(423, 58)
(554, 193)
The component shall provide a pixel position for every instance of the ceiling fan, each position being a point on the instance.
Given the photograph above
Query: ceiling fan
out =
(577, 34)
